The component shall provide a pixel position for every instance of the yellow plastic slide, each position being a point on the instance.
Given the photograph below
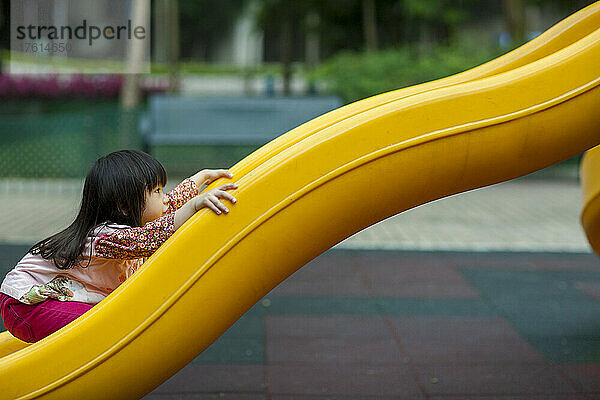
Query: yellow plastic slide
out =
(308, 190)
(590, 184)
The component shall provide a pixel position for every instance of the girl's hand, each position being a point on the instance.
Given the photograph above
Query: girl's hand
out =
(207, 176)
(211, 198)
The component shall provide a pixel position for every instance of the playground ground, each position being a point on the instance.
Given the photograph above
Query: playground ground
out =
(493, 294)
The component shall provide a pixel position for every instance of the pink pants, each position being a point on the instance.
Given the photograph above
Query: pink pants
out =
(31, 323)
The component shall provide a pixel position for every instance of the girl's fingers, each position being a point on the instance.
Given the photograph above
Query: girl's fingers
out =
(228, 186)
(219, 205)
(231, 198)
(211, 199)
(211, 175)
(225, 173)
(224, 195)
(218, 173)
(210, 205)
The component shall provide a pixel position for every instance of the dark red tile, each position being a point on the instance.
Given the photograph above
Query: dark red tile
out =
(342, 380)
(342, 397)
(330, 286)
(417, 281)
(331, 349)
(586, 375)
(518, 379)
(592, 289)
(462, 340)
(207, 396)
(337, 326)
(215, 378)
(327, 266)
(515, 397)
(326, 275)
(429, 290)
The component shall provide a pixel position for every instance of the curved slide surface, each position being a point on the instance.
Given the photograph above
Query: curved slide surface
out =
(590, 185)
(313, 187)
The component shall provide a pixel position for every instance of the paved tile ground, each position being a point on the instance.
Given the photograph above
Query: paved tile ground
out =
(524, 329)
(430, 304)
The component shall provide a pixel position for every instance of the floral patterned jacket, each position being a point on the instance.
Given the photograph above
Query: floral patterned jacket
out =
(114, 253)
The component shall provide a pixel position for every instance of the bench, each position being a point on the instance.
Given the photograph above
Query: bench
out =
(177, 120)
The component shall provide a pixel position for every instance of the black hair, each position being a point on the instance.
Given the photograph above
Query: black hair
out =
(114, 191)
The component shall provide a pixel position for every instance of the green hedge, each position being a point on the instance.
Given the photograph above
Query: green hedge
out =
(354, 76)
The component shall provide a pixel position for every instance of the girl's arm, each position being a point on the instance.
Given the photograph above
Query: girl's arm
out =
(181, 194)
(138, 242)
(132, 243)
(209, 199)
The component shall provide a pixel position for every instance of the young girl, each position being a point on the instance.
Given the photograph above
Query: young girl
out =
(124, 217)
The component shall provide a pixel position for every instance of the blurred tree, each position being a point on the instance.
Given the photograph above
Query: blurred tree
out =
(369, 25)
(384, 23)
(286, 21)
(160, 31)
(139, 13)
(313, 41)
(202, 23)
(4, 24)
(165, 38)
(514, 15)
(282, 18)
(339, 22)
(438, 20)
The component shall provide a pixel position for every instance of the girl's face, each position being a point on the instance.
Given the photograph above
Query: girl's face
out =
(156, 205)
